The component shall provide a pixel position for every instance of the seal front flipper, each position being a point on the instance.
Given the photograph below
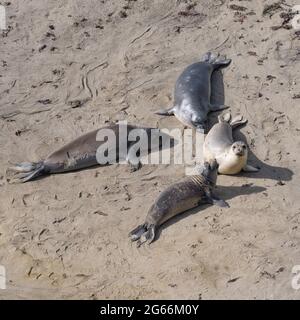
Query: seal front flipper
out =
(135, 166)
(212, 199)
(249, 168)
(217, 107)
(168, 112)
(133, 159)
(220, 203)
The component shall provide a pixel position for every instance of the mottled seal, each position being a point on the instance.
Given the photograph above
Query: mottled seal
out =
(193, 91)
(219, 144)
(82, 152)
(186, 194)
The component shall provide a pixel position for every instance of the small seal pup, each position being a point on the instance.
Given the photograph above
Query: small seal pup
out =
(83, 152)
(193, 91)
(186, 194)
(218, 144)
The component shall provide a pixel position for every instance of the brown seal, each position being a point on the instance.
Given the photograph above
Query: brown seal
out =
(82, 153)
(183, 195)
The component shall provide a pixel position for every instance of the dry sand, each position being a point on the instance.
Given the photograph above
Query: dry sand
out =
(67, 67)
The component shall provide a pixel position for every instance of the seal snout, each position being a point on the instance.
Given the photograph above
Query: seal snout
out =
(201, 128)
(239, 148)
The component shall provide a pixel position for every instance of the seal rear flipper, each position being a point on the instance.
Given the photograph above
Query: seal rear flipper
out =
(235, 122)
(207, 57)
(143, 233)
(26, 171)
(221, 63)
(147, 236)
(167, 112)
(238, 121)
(217, 61)
(136, 233)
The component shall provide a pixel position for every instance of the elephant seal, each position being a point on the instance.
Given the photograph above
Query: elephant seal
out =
(193, 91)
(218, 144)
(186, 194)
(83, 152)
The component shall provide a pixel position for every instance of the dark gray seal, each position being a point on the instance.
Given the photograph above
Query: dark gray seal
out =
(186, 194)
(82, 153)
(193, 91)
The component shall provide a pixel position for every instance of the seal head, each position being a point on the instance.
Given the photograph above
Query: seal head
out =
(239, 148)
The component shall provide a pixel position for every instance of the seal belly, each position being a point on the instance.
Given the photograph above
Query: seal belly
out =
(231, 164)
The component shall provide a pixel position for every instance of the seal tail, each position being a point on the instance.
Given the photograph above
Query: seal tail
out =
(25, 171)
(216, 60)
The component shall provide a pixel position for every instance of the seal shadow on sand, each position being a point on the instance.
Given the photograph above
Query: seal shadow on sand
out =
(266, 171)
(225, 192)
(217, 96)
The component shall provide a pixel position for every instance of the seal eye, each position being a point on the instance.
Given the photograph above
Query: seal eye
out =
(244, 147)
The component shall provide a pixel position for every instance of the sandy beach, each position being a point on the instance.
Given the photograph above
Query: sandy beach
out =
(68, 67)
